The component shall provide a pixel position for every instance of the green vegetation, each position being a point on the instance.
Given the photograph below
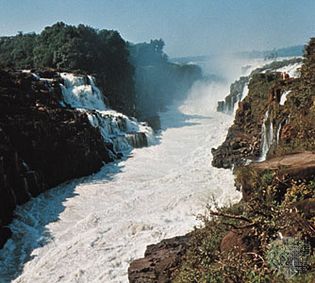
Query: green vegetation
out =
(67, 47)
(242, 243)
(17, 52)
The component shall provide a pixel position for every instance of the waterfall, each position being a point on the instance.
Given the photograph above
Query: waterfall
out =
(280, 126)
(278, 133)
(122, 132)
(267, 136)
(240, 98)
(293, 70)
(81, 92)
(283, 98)
(235, 106)
(245, 91)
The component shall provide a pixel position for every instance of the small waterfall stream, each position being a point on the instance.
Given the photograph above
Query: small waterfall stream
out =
(278, 133)
(240, 98)
(267, 136)
(283, 98)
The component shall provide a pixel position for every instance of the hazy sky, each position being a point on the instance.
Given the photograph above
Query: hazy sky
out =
(189, 27)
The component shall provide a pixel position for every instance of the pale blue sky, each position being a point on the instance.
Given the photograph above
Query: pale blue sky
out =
(189, 27)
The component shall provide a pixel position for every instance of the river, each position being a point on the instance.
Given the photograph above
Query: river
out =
(90, 229)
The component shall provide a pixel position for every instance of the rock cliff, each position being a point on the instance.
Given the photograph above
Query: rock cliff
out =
(239, 89)
(45, 141)
(268, 120)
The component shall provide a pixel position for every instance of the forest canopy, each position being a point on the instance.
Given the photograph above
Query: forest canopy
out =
(64, 46)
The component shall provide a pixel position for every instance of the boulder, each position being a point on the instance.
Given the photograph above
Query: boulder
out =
(160, 261)
(300, 164)
(238, 240)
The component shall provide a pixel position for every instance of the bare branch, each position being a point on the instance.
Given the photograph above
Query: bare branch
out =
(238, 217)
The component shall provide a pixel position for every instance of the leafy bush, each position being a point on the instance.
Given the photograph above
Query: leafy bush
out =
(289, 256)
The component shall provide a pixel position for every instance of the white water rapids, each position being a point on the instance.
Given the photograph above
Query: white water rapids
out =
(89, 230)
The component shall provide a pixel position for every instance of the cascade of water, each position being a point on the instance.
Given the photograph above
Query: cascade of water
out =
(278, 133)
(267, 136)
(240, 97)
(283, 98)
(245, 91)
(280, 126)
(293, 70)
(235, 106)
(81, 92)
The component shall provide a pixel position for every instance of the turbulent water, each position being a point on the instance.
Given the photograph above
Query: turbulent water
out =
(89, 230)
(122, 132)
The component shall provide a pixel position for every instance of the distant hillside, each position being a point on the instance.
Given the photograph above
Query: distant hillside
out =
(290, 51)
(270, 54)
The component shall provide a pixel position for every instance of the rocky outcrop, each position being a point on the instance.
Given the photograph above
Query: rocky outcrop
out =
(297, 164)
(238, 239)
(244, 136)
(41, 143)
(238, 89)
(160, 261)
(235, 95)
(282, 171)
(268, 120)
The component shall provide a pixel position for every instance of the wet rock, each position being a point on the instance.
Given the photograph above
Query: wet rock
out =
(137, 139)
(221, 106)
(160, 261)
(154, 122)
(5, 234)
(235, 95)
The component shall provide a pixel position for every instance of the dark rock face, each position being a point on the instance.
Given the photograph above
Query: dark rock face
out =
(41, 144)
(235, 95)
(237, 88)
(160, 261)
(137, 140)
(119, 90)
(154, 122)
(5, 234)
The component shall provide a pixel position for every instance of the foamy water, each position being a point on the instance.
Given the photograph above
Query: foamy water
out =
(90, 229)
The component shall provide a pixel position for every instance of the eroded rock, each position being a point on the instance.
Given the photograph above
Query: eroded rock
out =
(160, 261)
